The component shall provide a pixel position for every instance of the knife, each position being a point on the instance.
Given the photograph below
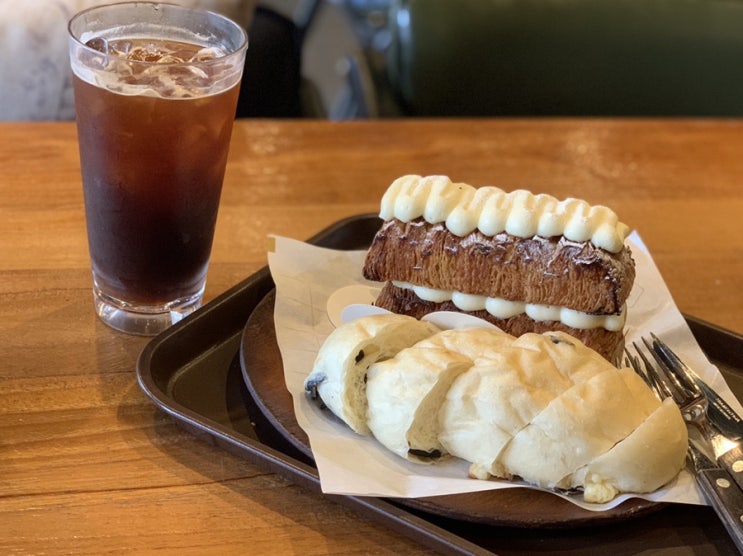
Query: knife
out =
(721, 493)
(719, 412)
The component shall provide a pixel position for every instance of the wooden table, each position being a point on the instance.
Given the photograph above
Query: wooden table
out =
(88, 464)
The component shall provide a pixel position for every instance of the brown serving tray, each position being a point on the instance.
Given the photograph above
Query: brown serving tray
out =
(193, 372)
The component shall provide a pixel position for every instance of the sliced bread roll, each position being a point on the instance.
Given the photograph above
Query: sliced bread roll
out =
(473, 343)
(338, 376)
(491, 403)
(578, 426)
(405, 394)
(542, 407)
(650, 456)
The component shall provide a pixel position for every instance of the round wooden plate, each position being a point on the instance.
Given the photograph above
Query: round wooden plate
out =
(262, 368)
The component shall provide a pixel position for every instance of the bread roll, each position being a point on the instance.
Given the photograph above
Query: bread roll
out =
(543, 408)
(650, 456)
(338, 375)
(405, 394)
(504, 391)
(576, 427)
(473, 343)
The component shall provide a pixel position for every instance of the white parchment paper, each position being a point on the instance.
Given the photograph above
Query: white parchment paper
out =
(307, 276)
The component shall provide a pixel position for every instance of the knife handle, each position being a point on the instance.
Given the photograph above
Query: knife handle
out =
(726, 499)
(732, 461)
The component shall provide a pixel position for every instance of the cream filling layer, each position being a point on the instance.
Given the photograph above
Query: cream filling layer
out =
(503, 309)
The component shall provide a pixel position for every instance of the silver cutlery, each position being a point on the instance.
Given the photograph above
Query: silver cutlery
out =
(714, 479)
(712, 426)
(722, 417)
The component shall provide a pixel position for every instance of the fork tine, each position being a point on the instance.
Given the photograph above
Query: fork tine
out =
(676, 384)
(633, 362)
(672, 366)
(659, 382)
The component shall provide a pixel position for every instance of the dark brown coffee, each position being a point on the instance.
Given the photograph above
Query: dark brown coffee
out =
(152, 168)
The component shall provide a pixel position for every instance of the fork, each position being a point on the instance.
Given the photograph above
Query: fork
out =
(673, 378)
(716, 482)
(722, 417)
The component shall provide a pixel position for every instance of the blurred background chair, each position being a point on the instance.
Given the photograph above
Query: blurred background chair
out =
(274, 85)
(566, 57)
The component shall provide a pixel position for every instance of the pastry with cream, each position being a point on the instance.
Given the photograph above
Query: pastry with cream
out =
(524, 262)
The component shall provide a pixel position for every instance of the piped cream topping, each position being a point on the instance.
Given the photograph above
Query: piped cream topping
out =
(503, 309)
(464, 209)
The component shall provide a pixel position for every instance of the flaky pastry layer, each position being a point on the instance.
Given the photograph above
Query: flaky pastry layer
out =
(552, 271)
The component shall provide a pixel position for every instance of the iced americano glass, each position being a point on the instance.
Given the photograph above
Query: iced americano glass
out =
(156, 89)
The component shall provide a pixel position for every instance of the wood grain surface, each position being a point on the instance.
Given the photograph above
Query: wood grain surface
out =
(88, 465)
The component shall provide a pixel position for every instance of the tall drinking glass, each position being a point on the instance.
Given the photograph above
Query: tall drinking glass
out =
(156, 89)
